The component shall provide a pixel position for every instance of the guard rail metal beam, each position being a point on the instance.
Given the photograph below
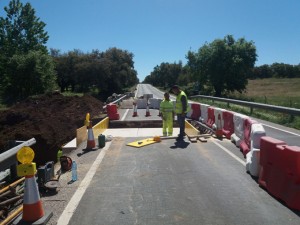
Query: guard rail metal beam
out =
(281, 109)
(8, 158)
(116, 101)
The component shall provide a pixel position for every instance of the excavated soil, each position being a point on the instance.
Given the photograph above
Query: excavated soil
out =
(51, 119)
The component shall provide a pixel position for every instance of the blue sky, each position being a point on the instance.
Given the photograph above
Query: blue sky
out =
(157, 31)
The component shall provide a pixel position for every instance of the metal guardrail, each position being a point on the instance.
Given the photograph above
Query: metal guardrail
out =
(8, 158)
(116, 101)
(252, 105)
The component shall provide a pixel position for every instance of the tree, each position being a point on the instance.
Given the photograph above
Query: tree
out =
(107, 72)
(40, 75)
(22, 33)
(166, 74)
(223, 64)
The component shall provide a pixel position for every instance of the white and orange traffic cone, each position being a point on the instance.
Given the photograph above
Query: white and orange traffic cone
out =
(33, 211)
(91, 140)
(32, 205)
(134, 110)
(147, 111)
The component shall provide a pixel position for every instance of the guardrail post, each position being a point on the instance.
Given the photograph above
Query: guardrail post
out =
(251, 110)
(292, 118)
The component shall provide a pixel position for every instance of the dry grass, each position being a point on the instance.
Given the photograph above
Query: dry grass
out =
(274, 87)
(275, 91)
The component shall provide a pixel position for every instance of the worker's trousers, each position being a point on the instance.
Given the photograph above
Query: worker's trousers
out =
(168, 126)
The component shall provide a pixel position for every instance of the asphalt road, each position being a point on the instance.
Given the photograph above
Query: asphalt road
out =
(172, 183)
(168, 183)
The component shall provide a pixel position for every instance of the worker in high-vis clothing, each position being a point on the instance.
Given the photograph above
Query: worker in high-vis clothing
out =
(181, 109)
(167, 114)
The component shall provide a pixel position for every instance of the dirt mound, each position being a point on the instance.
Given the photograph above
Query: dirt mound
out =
(51, 119)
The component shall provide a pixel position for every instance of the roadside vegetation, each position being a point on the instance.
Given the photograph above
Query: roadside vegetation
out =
(273, 91)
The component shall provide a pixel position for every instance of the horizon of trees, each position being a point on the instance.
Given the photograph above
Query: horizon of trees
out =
(28, 68)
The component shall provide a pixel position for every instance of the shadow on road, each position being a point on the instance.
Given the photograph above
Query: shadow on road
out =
(180, 144)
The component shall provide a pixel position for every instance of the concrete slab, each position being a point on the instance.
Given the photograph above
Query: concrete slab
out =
(137, 132)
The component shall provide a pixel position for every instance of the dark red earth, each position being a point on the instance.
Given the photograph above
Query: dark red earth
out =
(51, 119)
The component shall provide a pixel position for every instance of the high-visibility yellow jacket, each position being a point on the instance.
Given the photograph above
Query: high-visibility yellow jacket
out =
(178, 106)
(166, 108)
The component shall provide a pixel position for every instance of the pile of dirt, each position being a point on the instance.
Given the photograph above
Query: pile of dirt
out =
(51, 119)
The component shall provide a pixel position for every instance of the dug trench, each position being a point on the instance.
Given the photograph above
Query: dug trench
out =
(51, 119)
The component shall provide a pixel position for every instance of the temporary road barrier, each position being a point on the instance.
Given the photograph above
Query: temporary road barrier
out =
(228, 125)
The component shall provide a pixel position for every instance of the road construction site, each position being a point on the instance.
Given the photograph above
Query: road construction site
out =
(195, 181)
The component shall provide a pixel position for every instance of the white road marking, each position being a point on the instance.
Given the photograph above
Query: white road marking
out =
(65, 217)
(230, 153)
(125, 114)
(281, 130)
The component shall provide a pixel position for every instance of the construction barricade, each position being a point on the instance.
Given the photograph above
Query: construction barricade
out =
(228, 126)
(204, 116)
(210, 116)
(253, 157)
(141, 103)
(245, 142)
(112, 112)
(238, 135)
(196, 111)
(155, 103)
(280, 171)
(219, 122)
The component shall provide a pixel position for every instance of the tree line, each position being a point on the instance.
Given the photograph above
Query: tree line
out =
(219, 67)
(27, 68)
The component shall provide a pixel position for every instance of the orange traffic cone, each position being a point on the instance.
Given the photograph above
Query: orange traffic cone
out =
(32, 205)
(147, 111)
(91, 140)
(134, 110)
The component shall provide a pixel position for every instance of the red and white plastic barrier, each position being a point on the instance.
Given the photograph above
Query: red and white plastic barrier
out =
(204, 115)
(280, 170)
(210, 116)
(112, 112)
(245, 142)
(253, 157)
(196, 111)
(228, 125)
(238, 135)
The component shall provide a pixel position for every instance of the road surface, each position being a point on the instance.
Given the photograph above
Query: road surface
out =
(170, 183)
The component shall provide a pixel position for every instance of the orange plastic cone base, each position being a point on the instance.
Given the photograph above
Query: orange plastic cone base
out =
(91, 144)
(33, 212)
